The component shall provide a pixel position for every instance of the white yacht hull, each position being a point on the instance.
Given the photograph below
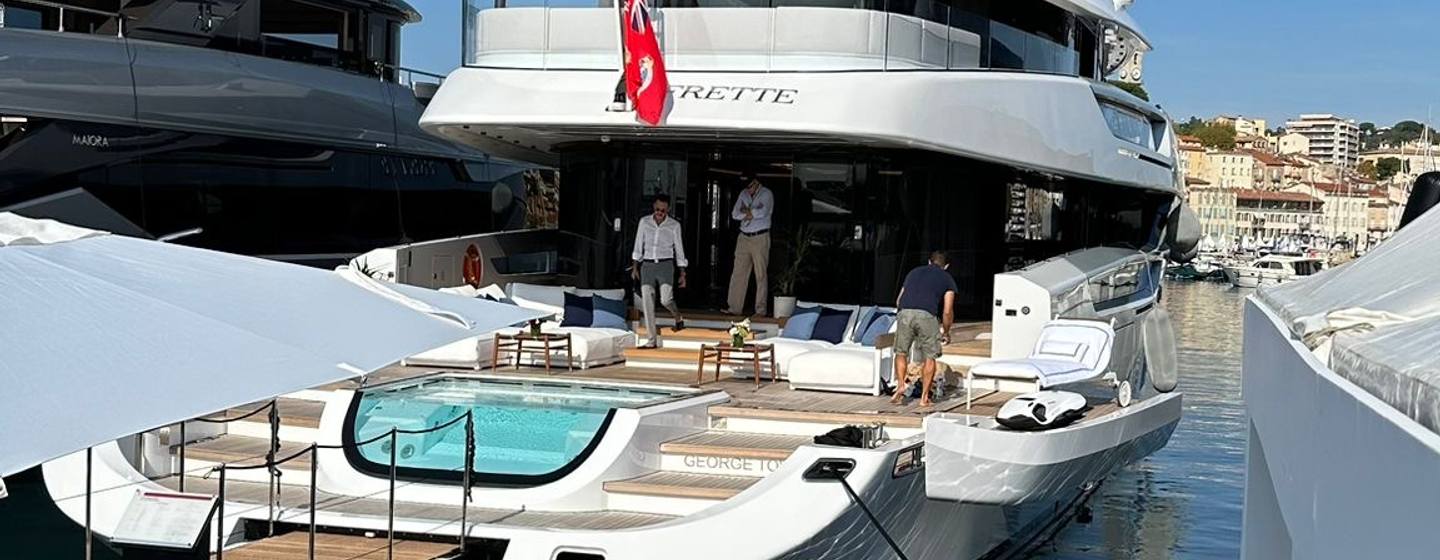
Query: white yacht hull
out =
(1332, 471)
(969, 460)
(1246, 277)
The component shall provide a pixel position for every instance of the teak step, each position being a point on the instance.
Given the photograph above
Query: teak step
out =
(687, 355)
(736, 444)
(892, 420)
(682, 485)
(690, 333)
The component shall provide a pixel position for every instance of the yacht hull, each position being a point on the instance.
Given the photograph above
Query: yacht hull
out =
(969, 460)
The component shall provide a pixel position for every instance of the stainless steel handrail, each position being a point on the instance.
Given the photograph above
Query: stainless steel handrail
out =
(272, 464)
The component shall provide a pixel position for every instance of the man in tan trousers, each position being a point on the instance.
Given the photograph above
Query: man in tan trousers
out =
(753, 209)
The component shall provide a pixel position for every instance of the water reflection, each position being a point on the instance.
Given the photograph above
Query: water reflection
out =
(1184, 501)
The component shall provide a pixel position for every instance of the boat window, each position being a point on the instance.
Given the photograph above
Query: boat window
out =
(78, 16)
(1128, 125)
(303, 32)
(1013, 35)
(21, 16)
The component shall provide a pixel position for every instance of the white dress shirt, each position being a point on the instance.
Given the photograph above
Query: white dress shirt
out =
(761, 204)
(659, 241)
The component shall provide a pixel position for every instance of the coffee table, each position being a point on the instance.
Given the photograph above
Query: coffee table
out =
(525, 343)
(725, 352)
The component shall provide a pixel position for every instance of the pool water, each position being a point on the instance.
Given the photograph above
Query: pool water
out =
(521, 427)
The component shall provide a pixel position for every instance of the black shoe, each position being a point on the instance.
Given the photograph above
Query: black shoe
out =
(679, 325)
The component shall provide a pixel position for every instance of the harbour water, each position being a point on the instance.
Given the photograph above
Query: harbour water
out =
(1184, 501)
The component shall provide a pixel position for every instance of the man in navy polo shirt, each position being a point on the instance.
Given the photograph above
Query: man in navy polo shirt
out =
(927, 295)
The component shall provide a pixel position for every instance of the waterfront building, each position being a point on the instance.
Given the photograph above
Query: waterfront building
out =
(1271, 172)
(1416, 159)
(1252, 142)
(1243, 126)
(1268, 216)
(1215, 208)
(1345, 211)
(1332, 139)
(1193, 163)
(1386, 206)
(1293, 143)
(1231, 169)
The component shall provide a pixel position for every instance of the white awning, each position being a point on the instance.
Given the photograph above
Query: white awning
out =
(102, 336)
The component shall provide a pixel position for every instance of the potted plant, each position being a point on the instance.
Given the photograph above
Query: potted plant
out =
(793, 272)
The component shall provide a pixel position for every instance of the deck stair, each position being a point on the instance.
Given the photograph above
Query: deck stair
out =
(701, 470)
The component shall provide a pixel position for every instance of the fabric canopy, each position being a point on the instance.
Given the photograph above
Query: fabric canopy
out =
(1376, 320)
(105, 336)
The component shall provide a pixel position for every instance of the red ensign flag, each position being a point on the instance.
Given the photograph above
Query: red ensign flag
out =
(645, 80)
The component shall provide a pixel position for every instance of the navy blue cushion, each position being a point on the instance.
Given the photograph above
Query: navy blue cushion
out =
(579, 311)
(801, 323)
(609, 313)
(880, 323)
(830, 327)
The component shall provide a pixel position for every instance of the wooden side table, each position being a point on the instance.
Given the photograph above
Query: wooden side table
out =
(727, 353)
(523, 342)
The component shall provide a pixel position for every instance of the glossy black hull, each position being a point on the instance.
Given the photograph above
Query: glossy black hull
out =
(312, 203)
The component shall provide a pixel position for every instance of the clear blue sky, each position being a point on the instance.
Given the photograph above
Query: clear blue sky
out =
(1371, 60)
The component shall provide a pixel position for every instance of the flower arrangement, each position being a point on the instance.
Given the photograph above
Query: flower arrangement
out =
(739, 332)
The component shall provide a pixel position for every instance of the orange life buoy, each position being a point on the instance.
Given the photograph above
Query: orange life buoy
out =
(472, 270)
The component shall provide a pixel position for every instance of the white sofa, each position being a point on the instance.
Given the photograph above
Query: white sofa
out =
(590, 346)
(848, 367)
(824, 366)
(787, 349)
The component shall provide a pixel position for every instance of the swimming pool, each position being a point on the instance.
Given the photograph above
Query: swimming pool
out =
(526, 431)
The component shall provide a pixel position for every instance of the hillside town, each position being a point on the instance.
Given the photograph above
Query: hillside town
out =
(1319, 181)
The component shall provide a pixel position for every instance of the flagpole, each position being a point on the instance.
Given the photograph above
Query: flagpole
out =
(620, 49)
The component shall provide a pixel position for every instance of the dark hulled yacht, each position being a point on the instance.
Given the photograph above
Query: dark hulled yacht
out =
(279, 128)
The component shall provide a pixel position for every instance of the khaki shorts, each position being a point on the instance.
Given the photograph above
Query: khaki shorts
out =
(918, 331)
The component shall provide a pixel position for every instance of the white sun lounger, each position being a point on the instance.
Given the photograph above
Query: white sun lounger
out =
(1068, 351)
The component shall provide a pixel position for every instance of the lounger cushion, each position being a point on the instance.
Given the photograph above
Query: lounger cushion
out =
(609, 313)
(579, 311)
(1047, 372)
(591, 345)
(801, 323)
(831, 325)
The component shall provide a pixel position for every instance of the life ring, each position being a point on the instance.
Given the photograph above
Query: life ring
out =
(472, 270)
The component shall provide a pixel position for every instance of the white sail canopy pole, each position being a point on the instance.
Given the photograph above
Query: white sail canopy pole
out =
(102, 336)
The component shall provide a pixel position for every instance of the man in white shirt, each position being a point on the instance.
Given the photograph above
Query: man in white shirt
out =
(753, 209)
(658, 250)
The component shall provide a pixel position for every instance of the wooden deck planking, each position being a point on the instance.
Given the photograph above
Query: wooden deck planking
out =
(682, 485)
(293, 412)
(231, 448)
(336, 547)
(736, 444)
(295, 499)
